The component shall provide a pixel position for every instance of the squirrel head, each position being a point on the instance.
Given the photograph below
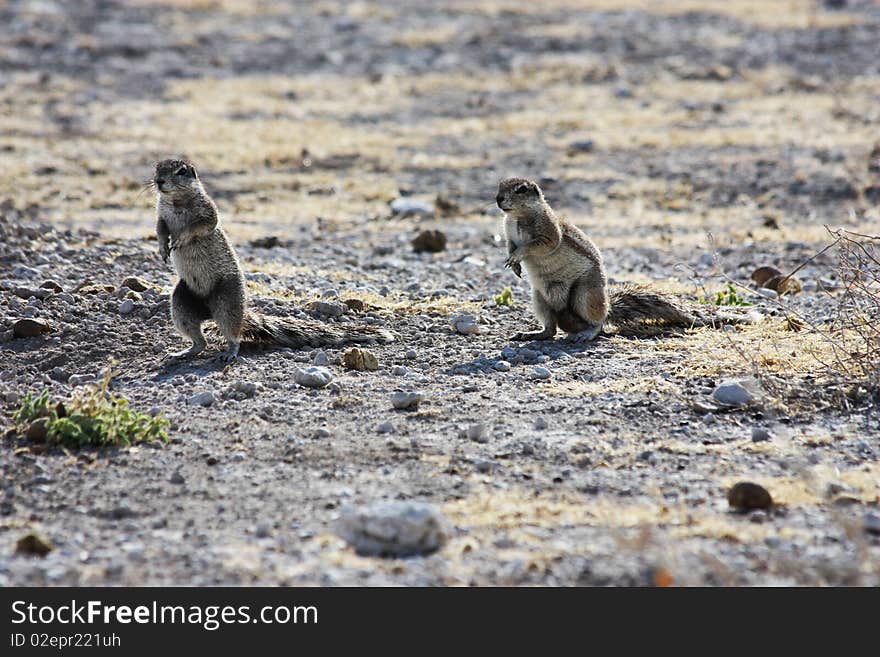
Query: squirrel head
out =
(520, 196)
(176, 179)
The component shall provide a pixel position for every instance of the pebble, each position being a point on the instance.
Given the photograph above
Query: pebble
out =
(385, 427)
(33, 544)
(177, 478)
(393, 529)
(483, 465)
(204, 398)
(429, 241)
(411, 354)
(327, 308)
(402, 400)
(408, 207)
(732, 393)
(360, 360)
(760, 435)
(540, 424)
(872, 523)
(247, 388)
(135, 284)
(312, 377)
(466, 324)
(80, 379)
(126, 307)
(745, 496)
(399, 370)
(30, 328)
(541, 373)
(582, 146)
(477, 433)
(320, 358)
(767, 293)
(502, 366)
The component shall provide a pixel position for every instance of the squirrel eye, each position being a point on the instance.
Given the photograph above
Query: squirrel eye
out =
(182, 171)
(522, 188)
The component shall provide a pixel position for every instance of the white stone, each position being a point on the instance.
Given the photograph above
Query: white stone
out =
(732, 393)
(312, 377)
(393, 529)
(402, 400)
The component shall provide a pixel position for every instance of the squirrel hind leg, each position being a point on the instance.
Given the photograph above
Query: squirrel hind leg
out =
(545, 314)
(187, 314)
(227, 305)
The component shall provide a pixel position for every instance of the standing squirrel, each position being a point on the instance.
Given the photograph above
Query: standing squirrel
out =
(569, 285)
(212, 285)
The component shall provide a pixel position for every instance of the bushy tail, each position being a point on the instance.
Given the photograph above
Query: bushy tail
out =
(634, 306)
(289, 332)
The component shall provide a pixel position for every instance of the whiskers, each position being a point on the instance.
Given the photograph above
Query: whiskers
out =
(145, 186)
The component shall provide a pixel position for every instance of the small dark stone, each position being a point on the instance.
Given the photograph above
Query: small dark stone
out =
(37, 431)
(582, 146)
(745, 496)
(33, 544)
(430, 241)
(135, 284)
(268, 242)
(29, 328)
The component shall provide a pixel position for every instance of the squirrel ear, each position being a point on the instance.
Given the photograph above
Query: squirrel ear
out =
(193, 171)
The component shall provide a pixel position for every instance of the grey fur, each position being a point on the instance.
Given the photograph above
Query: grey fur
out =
(212, 285)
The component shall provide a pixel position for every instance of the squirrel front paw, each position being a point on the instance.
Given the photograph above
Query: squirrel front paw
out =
(513, 262)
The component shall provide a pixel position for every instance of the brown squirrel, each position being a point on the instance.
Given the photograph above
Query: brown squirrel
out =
(212, 285)
(569, 285)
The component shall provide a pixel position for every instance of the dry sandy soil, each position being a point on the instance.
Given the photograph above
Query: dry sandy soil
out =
(725, 135)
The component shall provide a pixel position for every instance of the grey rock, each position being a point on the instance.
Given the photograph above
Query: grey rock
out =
(399, 370)
(484, 465)
(541, 373)
(320, 358)
(767, 293)
(872, 523)
(540, 424)
(402, 400)
(408, 207)
(760, 435)
(582, 146)
(465, 323)
(385, 427)
(502, 366)
(30, 328)
(327, 308)
(476, 432)
(732, 393)
(177, 478)
(126, 307)
(80, 379)
(393, 529)
(312, 377)
(204, 398)
(247, 388)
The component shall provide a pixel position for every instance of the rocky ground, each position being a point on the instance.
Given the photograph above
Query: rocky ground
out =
(692, 144)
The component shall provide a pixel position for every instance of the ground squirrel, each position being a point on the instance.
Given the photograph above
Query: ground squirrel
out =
(212, 285)
(565, 269)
